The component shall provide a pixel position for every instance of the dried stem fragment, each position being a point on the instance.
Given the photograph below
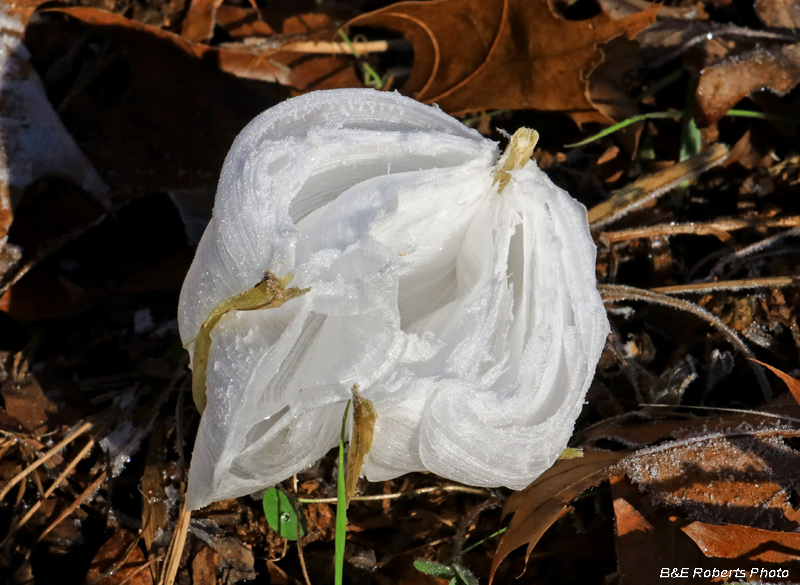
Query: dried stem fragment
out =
(517, 154)
(270, 293)
(364, 417)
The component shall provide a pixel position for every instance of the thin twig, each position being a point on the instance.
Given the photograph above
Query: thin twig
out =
(612, 293)
(334, 48)
(175, 549)
(721, 409)
(719, 228)
(301, 557)
(63, 443)
(731, 285)
(378, 497)
(71, 508)
(718, 30)
(62, 476)
(355, 48)
(716, 270)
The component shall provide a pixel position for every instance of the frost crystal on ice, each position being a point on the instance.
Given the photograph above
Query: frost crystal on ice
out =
(468, 316)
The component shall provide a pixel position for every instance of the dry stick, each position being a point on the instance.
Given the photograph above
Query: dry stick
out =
(722, 409)
(751, 249)
(719, 31)
(170, 568)
(175, 549)
(734, 285)
(6, 446)
(718, 228)
(38, 481)
(81, 454)
(647, 189)
(63, 443)
(300, 555)
(139, 569)
(298, 535)
(336, 48)
(612, 293)
(427, 490)
(322, 47)
(71, 508)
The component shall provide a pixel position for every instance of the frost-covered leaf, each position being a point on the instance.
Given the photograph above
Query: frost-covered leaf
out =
(435, 569)
(748, 473)
(732, 541)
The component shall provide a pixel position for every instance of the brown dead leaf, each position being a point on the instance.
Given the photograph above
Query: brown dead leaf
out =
(642, 542)
(519, 54)
(250, 63)
(792, 383)
(543, 502)
(277, 575)
(748, 154)
(22, 9)
(734, 541)
(204, 567)
(119, 561)
(199, 22)
(292, 20)
(169, 125)
(242, 22)
(728, 476)
(27, 403)
(779, 13)
(724, 84)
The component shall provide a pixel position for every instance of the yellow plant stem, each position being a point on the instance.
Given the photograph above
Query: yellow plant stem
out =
(517, 154)
(270, 293)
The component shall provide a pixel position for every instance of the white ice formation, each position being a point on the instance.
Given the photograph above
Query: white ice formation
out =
(468, 317)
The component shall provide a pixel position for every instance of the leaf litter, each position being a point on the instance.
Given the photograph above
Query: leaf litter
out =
(687, 461)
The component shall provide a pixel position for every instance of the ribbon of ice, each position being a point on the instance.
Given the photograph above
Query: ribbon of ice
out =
(395, 255)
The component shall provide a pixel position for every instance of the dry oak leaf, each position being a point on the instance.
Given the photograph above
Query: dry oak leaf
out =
(474, 55)
(792, 383)
(543, 502)
(724, 84)
(732, 541)
(296, 70)
(119, 561)
(199, 22)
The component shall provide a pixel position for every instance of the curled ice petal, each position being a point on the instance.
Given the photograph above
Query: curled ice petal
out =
(466, 313)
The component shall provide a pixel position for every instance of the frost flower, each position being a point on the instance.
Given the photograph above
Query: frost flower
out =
(360, 238)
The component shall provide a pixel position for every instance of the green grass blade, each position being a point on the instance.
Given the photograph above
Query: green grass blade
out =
(341, 507)
(691, 139)
(480, 542)
(762, 116)
(693, 131)
(490, 114)
(654, 88)
(371, 76)
(625, 123)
